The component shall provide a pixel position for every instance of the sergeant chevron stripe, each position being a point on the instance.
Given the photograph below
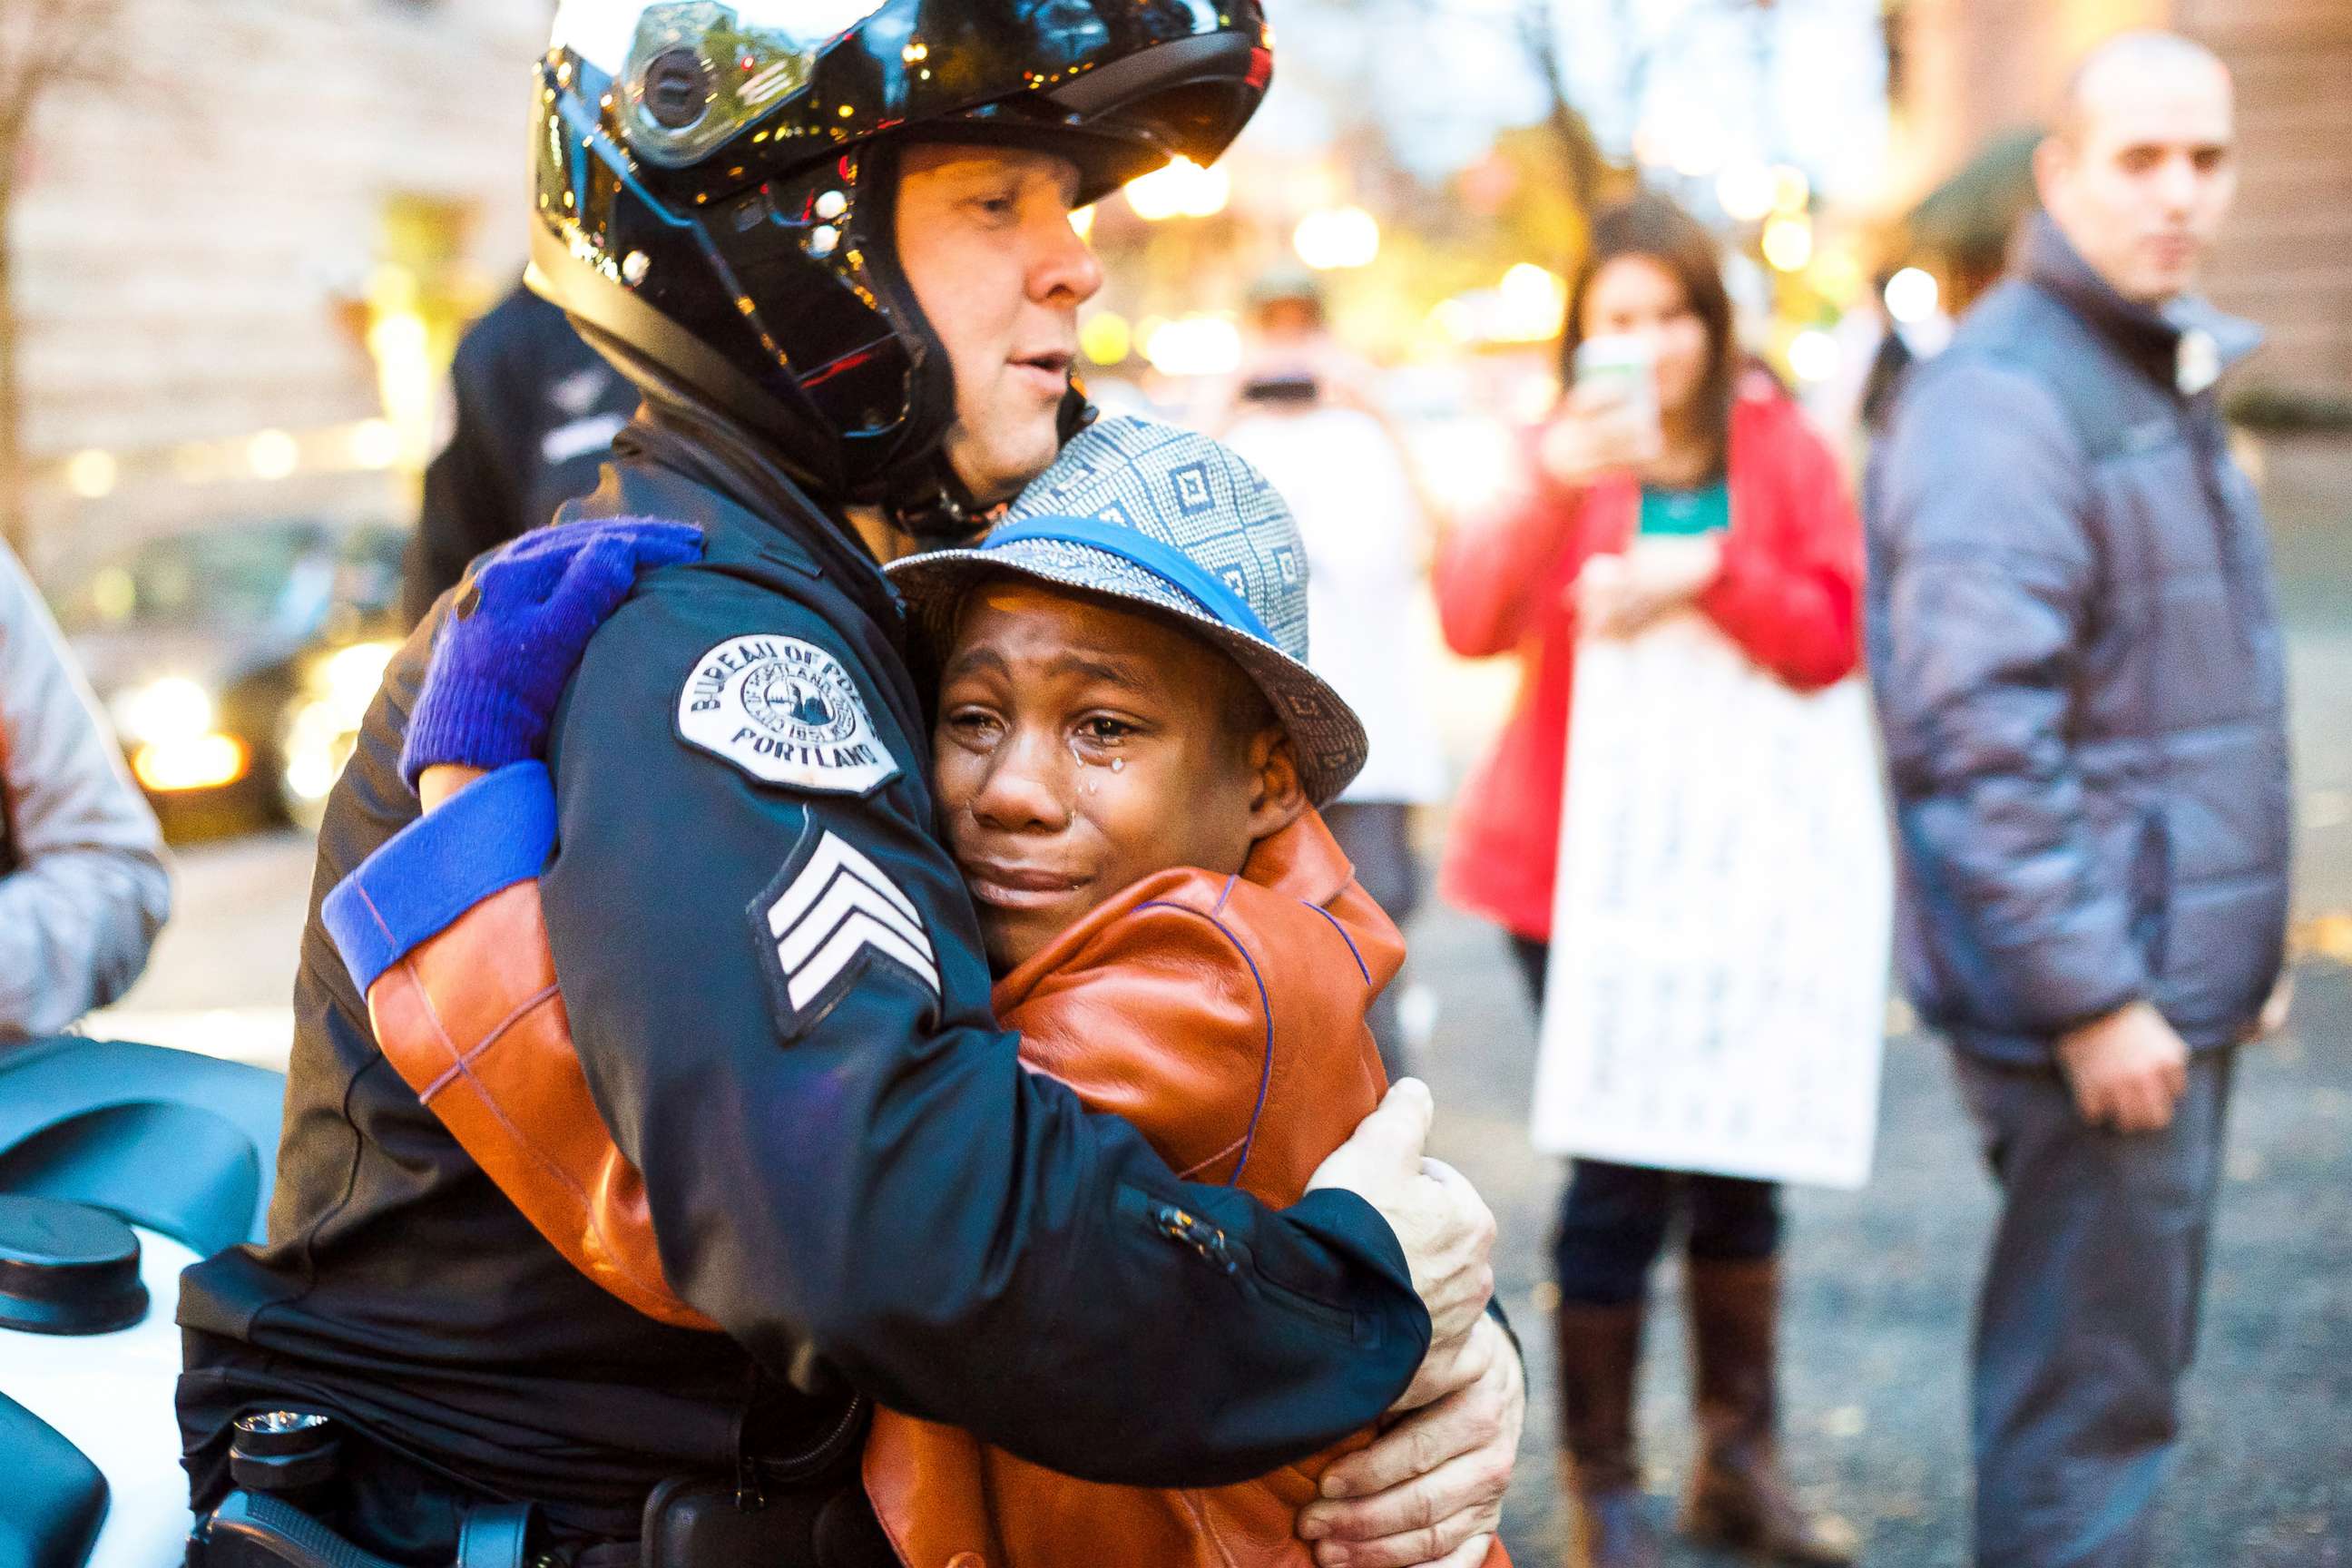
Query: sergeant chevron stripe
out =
(838, 906)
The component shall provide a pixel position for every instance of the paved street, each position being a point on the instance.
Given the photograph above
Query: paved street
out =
(1881, 1280)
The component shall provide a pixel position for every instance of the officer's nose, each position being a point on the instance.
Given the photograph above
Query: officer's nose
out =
(1026, 787)
(1063, 269)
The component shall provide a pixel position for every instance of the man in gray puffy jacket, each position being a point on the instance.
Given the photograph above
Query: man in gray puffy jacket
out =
(83, 887)
(2077, 660)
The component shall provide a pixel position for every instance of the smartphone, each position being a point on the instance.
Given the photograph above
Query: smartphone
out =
(1625, 363)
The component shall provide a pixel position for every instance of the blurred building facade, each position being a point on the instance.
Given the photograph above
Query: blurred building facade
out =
(241, 251)
(1967, 70)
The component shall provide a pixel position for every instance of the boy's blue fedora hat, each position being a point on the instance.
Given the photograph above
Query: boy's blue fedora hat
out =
(1168, 518)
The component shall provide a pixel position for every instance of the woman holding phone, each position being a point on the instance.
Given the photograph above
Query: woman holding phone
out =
(1669, 478)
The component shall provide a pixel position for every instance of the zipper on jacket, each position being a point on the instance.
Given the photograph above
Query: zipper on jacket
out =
(752, 1469)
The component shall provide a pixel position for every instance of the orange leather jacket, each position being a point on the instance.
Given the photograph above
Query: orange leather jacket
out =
(1265, 978)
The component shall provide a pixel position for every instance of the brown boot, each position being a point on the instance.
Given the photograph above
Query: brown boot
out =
(1737, 1496)
(1600, 1353)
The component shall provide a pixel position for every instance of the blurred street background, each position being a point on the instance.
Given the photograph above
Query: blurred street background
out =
(242, 237)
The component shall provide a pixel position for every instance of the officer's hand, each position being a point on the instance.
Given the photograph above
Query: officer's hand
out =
(523, 620)
(1444, 1228)
(1430, 1489)
(2127, 1070)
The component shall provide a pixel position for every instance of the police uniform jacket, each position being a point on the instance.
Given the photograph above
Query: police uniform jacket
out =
(779, 997)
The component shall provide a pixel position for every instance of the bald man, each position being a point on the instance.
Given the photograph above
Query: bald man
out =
(2077, 662)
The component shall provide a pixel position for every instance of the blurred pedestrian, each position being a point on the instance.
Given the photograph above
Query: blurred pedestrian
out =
(531, 413)
(1305, 417)
(1722, 467)
(2078, 667)
(83, 887)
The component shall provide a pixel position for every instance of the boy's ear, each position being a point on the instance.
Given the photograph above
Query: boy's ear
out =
(1280, 799)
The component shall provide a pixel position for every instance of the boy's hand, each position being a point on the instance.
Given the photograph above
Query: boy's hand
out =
(1444, 1228)
(521, 621)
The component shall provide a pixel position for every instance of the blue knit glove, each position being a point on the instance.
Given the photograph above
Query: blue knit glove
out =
(520, 624)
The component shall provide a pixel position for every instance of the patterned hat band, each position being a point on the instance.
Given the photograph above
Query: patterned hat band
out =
(1155, 556)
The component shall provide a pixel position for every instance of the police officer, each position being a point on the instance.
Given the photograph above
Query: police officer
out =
(832, 252)
(531, 414)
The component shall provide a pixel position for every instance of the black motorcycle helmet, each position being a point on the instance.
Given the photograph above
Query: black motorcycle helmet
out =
(716, 180)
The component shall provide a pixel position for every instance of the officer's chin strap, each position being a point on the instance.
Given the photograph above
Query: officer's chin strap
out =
(936, 508)
(931, 505)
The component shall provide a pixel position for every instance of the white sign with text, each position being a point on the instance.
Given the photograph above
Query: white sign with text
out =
(1716, 996)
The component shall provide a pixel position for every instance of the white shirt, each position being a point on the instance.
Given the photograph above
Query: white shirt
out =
(1348, 488)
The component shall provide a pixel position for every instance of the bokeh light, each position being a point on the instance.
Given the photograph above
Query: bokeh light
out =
(1912, 295)
(1813, 356)
(1745, 191)
(1195, 345)
(1105, 338)
(90, 475)
(273, 454)
(1788, 243)
(1180, 189)
(1339, 238)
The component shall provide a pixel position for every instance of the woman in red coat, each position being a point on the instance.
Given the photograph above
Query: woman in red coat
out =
(1770, 550)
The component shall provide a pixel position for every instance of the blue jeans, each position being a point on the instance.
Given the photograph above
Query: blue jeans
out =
(2087, 1318)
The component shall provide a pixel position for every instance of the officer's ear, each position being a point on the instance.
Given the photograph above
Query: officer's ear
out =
(1279, 798)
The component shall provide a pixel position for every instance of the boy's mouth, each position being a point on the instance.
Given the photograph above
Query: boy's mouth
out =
(1024, 888)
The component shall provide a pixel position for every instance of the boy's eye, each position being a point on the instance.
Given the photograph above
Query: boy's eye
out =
(976, 724)
(1104, 730)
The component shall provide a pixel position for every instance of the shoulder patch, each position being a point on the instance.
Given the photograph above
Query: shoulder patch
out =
(786, 713)
(829, 915)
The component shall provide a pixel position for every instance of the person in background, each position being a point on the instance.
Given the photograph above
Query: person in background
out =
(2079, 670)
(83, 884)
(529, 414)
(1770, 550)
(1304, 419)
